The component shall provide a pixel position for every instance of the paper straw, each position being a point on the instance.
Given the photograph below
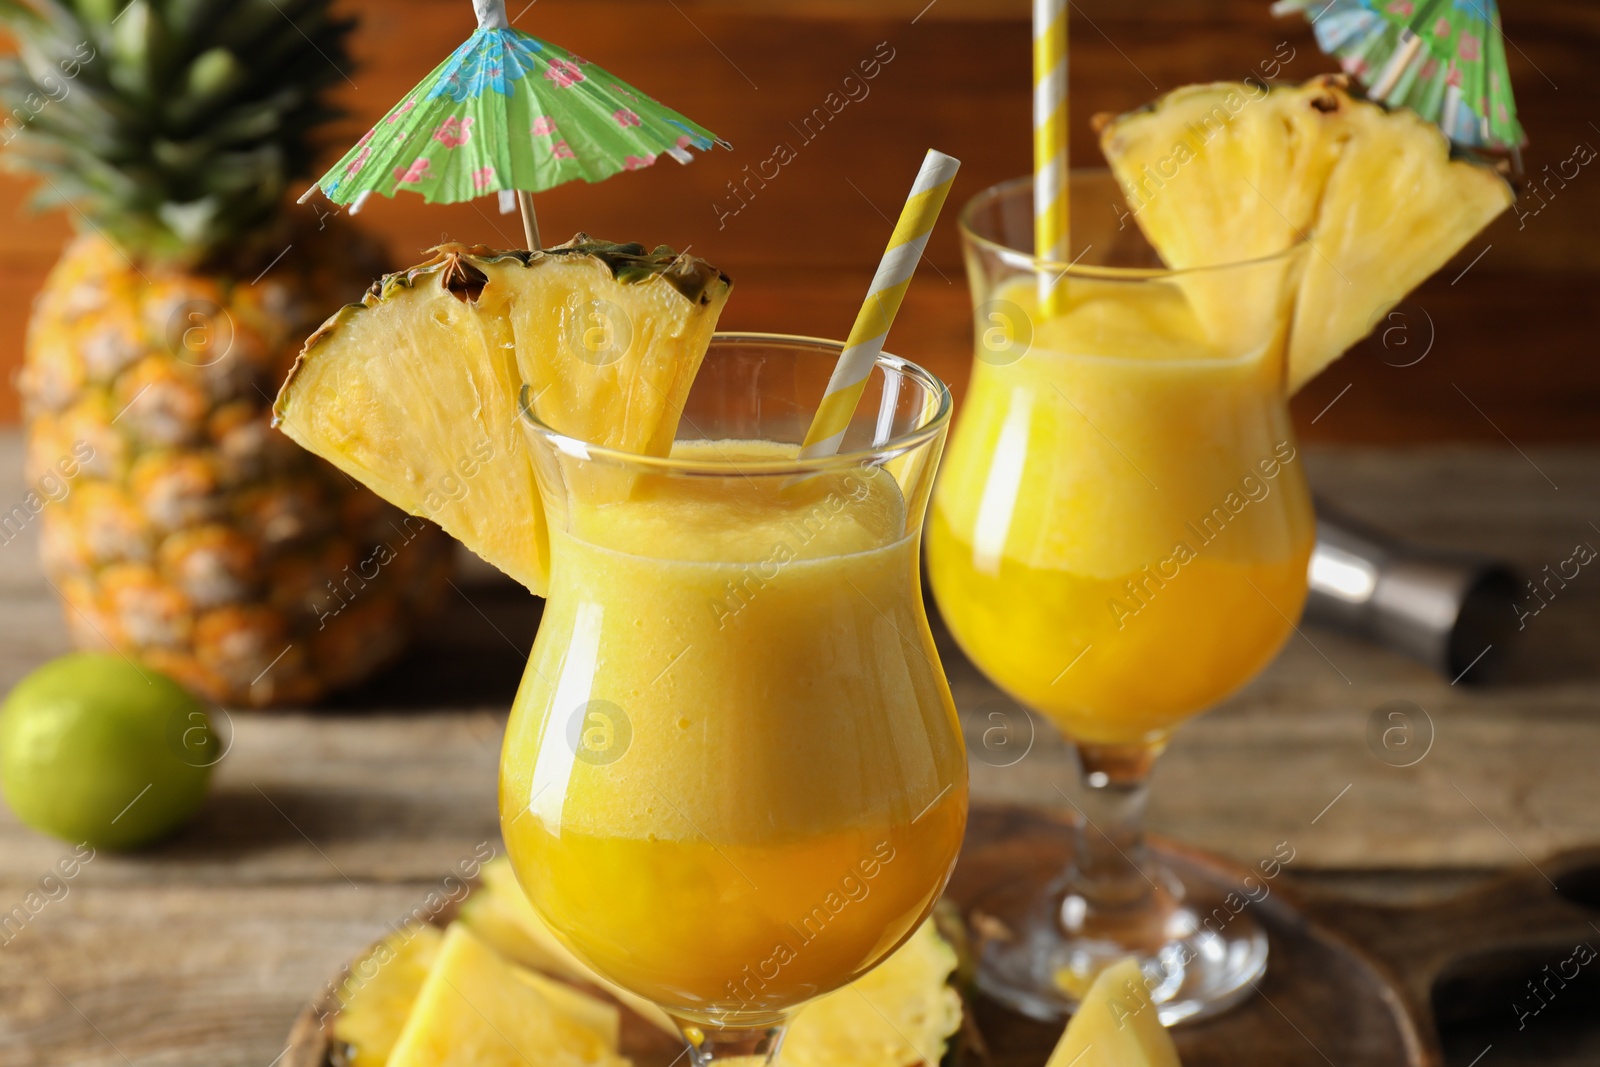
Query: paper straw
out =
(1050, 190)
(888, 289)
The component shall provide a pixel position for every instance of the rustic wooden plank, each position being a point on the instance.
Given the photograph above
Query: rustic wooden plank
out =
(208, 977)
(180, 975)
(201, 952)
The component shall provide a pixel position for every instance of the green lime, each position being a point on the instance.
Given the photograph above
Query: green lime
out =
(94, 749)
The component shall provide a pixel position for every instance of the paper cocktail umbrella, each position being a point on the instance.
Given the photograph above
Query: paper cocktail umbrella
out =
(1444, 59)
(510, 114)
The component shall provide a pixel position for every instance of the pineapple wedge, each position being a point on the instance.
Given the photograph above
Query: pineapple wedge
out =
(901, 1013)
(500, 914)
(1228, 172)
(378, 993)
(898, 1014)
(414, 391)
(1394, 212)
(476, 1009)
(1116, 1025)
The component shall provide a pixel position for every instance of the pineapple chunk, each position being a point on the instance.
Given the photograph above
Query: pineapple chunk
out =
(377, 995)
(476, 1009)
(1116, 1025)
(421, 993)
(500, 914)
(1203, 159)
(516, 931)
(414, 392)
(1394, 212)
(900, 1013)
(1228, 172)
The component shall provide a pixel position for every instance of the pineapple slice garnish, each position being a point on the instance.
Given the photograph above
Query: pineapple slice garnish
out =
(1228, 172)
(1116, 1025)
(421, 994)
(902, 1012)
(414, 392)
(378, 992)
(1395, 210)
(499, 913)
(1224, 172)
(477, 1009)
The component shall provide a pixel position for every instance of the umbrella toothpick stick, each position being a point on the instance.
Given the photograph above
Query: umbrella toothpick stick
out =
(530, 222)
(1395, 69)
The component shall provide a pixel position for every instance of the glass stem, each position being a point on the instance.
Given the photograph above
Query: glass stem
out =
(1114, 892)
(712, 1044)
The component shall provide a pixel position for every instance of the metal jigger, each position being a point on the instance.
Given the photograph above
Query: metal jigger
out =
(1452, 611)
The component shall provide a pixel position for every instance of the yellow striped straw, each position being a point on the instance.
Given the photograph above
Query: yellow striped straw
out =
(1050, 200)
(888, 290)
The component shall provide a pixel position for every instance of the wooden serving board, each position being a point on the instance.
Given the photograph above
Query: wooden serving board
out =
(1322, 1000)
(1346, 983)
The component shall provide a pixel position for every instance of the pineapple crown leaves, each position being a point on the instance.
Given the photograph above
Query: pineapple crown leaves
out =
(173, 127)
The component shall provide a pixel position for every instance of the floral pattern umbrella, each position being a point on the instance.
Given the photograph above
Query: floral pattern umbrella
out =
(510, 114)
(1444, 59)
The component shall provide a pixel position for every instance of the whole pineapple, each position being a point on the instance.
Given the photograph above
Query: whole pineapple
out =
(176, 525)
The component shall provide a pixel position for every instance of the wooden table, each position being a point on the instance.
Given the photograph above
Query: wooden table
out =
(322, 828)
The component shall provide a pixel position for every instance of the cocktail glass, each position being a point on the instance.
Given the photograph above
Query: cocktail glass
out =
(1119, 539)
(733, 778)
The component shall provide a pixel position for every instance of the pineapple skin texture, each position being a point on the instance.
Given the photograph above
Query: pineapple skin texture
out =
(178, 527)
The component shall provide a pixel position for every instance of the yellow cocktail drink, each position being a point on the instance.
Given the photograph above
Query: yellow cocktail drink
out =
(1119, 539)
(1121, 529)
(733, 777)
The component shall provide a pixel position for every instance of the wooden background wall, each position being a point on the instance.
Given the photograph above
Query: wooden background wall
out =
(1513, 350)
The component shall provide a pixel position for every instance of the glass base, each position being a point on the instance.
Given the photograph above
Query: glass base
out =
(711, 1045)
(1199, 948)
